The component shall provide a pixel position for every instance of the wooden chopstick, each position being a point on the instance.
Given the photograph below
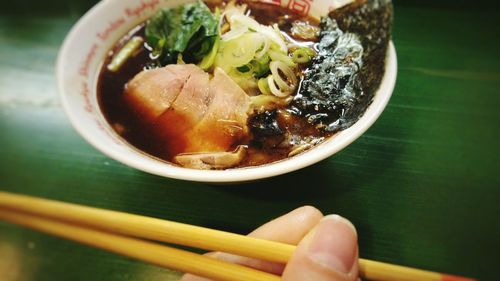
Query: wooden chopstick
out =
(150, 228)
(194, 236)
(145, 251)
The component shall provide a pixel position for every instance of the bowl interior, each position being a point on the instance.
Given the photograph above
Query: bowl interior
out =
(78, 67)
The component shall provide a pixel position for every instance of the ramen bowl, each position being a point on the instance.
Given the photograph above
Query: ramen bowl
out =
(79, 63)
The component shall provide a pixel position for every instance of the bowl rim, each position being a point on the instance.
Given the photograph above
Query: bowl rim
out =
(162, 168)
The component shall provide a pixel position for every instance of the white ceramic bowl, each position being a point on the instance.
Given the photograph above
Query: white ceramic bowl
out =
(78, 66)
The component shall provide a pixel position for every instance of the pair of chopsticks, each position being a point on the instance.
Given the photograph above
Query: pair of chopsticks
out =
(133, 235)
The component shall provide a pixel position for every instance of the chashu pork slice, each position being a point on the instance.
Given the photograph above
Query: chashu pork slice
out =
(151, 92)
(223, 126)
(212, 160)
(225, 121)
(196, 120)
(176, 123)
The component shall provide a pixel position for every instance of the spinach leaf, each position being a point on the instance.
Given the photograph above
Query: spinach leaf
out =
(189, 30)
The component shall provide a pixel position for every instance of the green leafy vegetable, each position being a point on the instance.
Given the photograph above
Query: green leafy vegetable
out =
(190, 30)
(209, 59)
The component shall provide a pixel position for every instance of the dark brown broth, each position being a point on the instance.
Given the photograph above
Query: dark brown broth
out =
(116, 110)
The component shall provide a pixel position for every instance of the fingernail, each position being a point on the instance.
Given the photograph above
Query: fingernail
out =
(334, 244)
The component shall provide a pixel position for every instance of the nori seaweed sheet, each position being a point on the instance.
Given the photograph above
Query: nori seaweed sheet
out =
(344, 76)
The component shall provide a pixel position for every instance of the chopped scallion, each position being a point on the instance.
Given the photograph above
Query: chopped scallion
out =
(264, 86)
(302, 55)
(244, 68)
(125, 53)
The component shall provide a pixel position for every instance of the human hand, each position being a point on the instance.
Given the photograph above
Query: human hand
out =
(327, 247)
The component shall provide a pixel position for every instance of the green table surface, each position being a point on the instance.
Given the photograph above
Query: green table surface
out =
(421, 186)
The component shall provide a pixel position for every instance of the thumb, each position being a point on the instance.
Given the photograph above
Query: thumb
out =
(329, 252)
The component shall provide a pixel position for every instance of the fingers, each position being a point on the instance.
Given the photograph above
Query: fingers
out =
(328, 253)
(289, 228)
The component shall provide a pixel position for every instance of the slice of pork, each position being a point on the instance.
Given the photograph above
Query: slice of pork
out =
(176, 124)
(151, 92)
(211, 160)
(225, 121)
(193, 99)
(189, 113)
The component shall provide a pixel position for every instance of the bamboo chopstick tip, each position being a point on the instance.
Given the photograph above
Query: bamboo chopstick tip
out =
(446, 277)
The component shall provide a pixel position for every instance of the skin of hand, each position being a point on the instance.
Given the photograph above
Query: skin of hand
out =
(327, 247)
